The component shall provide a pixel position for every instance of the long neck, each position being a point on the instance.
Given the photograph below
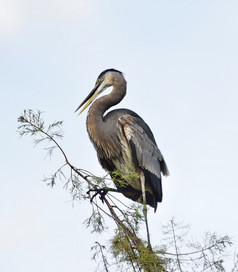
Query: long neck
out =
(98, 108)
(105, 102)
(96, 126)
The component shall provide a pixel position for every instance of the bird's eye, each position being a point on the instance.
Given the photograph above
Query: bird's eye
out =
(99, 81)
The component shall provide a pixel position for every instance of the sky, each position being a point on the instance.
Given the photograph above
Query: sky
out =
(180, 60)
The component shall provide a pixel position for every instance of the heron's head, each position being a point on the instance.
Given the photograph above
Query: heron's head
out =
(106, 79)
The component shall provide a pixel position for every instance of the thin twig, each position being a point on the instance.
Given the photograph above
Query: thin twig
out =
(103, 257)
(175, 245)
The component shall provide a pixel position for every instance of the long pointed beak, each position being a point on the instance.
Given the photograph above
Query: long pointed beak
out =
(88, 100)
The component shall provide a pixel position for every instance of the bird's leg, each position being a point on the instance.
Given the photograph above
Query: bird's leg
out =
(142, 179)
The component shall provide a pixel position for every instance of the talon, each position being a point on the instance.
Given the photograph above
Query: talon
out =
(102, 195)
(101, 192)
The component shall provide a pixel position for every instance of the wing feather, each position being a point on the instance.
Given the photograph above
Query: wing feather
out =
(145, 151)
(143, 145)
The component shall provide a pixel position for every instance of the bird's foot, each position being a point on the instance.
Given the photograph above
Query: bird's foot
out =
(101, 192)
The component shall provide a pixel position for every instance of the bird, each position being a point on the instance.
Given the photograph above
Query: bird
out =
(125, 145)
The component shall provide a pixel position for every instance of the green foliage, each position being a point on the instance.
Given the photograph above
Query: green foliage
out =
(96, 222)
(187, 255)
(139, 257)
(33, 124)
(126, 250)
(122, 178)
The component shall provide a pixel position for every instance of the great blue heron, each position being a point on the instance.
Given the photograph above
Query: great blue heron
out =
(124, 142)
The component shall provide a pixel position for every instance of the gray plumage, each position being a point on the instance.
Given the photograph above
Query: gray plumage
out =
(124, 142)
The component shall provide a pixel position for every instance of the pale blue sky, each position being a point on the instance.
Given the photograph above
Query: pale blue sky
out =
(180, 60)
